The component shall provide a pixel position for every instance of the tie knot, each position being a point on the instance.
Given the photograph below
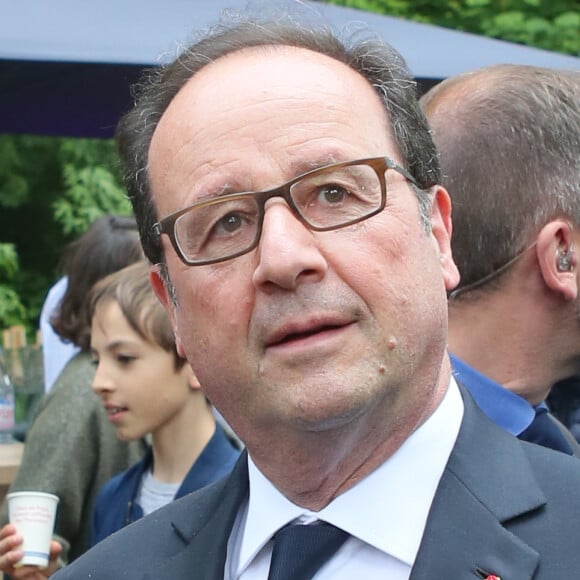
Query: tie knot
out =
(300, 551)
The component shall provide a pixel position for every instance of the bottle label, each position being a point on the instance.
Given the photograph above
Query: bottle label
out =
(6, 415)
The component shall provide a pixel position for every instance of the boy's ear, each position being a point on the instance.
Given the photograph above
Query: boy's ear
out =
(159, 283)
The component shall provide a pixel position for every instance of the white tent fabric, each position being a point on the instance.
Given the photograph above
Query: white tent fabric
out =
(146, 31)
(66, 65)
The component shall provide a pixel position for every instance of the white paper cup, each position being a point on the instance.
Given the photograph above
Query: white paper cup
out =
(33, 513)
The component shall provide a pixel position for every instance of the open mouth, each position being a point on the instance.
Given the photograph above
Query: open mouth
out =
(305, 334)
(115, 411)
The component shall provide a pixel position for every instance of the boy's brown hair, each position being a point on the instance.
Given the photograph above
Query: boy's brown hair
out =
(131, 289)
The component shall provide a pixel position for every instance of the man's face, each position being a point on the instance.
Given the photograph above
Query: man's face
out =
(311, 330)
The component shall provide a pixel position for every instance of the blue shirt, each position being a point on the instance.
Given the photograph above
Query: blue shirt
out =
(506, 409)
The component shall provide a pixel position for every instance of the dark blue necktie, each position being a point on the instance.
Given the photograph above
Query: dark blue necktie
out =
(545, 432)
(300, 551)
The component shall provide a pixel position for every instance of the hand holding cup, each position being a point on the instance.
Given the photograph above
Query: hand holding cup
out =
(26, 546)
(11, 553)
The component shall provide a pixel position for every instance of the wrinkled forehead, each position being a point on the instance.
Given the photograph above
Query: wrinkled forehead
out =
(270, 80)
(262, 69)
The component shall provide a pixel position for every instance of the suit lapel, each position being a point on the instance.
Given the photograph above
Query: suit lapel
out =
(465, 537)
(205, 530)
(466, 528)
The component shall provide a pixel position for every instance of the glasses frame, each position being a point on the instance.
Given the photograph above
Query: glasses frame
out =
(380, 165)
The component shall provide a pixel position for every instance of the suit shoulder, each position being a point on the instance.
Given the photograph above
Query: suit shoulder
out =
(543, 455)
(553, 468)
(165, 532)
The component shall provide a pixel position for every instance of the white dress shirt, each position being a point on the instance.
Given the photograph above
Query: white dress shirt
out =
(385, 513)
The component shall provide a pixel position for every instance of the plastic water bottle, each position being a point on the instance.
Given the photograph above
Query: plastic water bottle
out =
(6, 406)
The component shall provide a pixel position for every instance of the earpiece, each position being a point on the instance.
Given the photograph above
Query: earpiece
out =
(564, 261)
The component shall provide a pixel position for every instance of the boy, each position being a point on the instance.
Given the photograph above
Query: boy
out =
(146, 387)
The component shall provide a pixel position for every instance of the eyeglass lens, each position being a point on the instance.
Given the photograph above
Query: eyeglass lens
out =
(324, 199)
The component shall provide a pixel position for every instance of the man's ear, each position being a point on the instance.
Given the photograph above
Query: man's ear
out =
(441, 229)
(159, 283)
(558, 259)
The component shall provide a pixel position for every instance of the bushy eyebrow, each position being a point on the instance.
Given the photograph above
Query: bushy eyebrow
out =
(225, 189)
(300, 166)
(297, 167)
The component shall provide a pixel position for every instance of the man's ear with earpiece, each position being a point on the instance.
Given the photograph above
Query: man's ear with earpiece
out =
(558, 259)
(564, 260)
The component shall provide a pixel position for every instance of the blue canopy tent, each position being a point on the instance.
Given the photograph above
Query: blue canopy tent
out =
(66, 66)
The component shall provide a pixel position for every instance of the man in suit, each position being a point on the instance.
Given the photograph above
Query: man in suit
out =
(287, 190)
(509, 140)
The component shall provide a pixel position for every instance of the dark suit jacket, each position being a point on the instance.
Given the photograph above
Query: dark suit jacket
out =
(503, 507)
(570, 439)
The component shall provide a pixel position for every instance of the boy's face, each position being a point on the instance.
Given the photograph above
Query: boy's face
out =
(136, 380)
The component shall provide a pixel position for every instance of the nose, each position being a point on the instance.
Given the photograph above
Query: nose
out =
(102, 382)
(288, 252)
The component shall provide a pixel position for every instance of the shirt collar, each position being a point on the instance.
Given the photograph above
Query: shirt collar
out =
(401, 490)
(506, 409)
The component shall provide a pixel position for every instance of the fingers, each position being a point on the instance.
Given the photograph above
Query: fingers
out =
(55, 550)
(7, 530)
(53, 566)
(36, 573)
(10, 551)
(29, 573)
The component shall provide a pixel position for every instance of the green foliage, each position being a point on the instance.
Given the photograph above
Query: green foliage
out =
(89, 193)
(91, 187)
(8, 262)
(13, 186)
(51, 189)
(11, 309)
(549, 24)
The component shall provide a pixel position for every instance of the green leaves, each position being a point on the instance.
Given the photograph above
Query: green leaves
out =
(11, 309)
(89, 192)
(12, 312)
(51, 189)
(13, 186)
(549, 24)
(8, 262)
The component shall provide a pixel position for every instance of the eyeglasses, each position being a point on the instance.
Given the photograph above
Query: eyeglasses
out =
(328, 198)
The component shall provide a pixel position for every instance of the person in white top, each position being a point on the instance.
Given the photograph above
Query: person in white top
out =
(287, 191)
(56, 352)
